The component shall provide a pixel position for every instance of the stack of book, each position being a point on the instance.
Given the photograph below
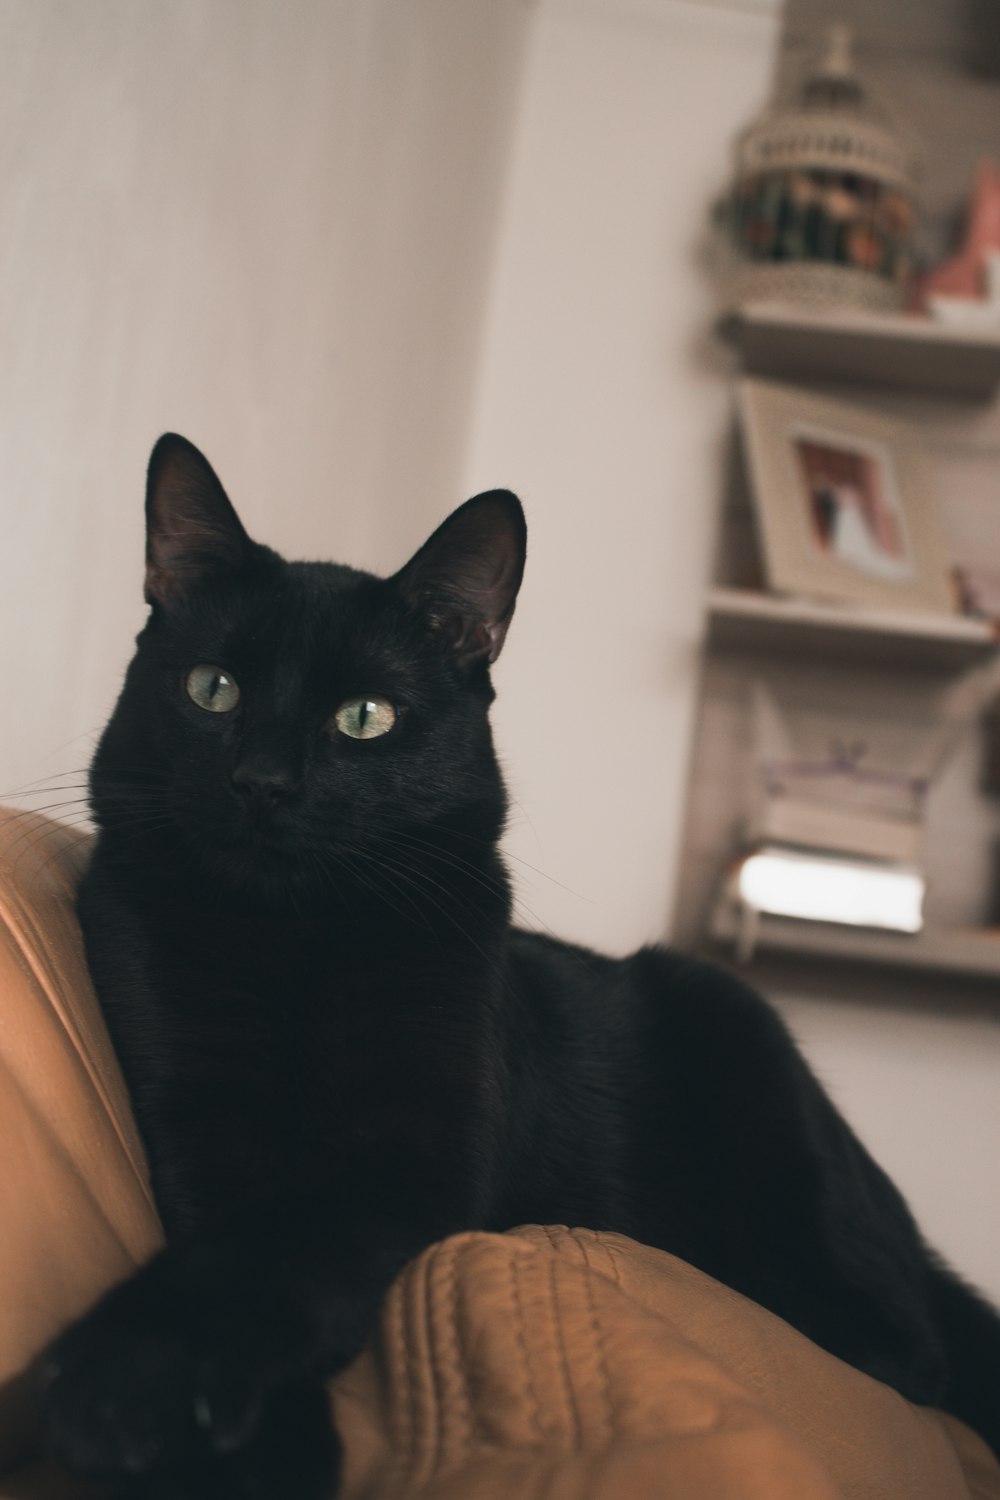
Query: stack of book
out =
(828, 861)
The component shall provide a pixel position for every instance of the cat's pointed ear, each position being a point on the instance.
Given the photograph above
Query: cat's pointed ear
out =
(466, 576)
(192, 529)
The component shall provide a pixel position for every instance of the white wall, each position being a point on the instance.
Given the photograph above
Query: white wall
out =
(266, 225)
(599, 404)
(918, 1081)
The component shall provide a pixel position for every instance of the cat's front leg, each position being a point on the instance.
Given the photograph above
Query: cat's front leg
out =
(292, 1455)
(186, 1375)
(181, 1380)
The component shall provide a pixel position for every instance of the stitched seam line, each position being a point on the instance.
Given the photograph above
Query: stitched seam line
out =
(462, 1414)
(438, 1391)
(514, 1267)
(398, 1342)
(613, 1252)
(564, 1361)
(600, 1351)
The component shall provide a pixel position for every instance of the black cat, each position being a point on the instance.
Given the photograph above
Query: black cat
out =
(339, 1050)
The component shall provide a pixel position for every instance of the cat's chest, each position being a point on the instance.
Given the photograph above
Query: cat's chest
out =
(302, 990)
(316, 1018)
(281, 1048)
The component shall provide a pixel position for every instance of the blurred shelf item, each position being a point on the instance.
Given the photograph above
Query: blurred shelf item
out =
(749, 619)
(822, 209)
(898, 689)
(906, 352)
(973, 950)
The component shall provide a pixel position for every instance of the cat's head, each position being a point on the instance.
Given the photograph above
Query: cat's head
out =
(278, 714)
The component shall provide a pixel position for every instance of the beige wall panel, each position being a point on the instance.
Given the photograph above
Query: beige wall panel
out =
(600, 402)
(265, 225)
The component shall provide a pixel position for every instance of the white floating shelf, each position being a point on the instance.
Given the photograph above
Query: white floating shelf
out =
(751, 619)
(905, 352)
(973, 950)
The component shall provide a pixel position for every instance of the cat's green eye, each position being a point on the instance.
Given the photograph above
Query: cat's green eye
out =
(212, 689)
(365, 718)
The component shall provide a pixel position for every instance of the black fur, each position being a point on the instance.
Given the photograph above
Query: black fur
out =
(339, 1050)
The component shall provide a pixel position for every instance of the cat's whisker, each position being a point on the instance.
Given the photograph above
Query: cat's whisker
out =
(508, 856)
(28, 827)
(34, 834)
(55, 853)
(48, 807)
(378, 870)
(87, 734)
(12, 800)
(16, 855)
(493, 888)
(420, 884)
(466, 868)
(52, 776)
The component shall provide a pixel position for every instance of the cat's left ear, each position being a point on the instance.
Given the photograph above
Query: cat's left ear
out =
(192, 530)
(466, 575)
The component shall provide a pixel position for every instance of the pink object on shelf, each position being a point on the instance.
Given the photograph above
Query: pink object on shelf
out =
(964, 274)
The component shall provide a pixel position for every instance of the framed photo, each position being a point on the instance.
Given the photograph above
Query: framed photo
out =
(844, 504)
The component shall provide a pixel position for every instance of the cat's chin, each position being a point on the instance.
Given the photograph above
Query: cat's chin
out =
(248, 855)
(264, 877)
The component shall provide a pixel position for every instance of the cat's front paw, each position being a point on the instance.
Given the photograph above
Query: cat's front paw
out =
(163, 1373)
(293, 1452)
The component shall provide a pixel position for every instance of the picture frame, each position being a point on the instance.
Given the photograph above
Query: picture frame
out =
(844, 504)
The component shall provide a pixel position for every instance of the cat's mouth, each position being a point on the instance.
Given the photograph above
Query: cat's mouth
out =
(269, 832)
(261, 830)
(245, 849)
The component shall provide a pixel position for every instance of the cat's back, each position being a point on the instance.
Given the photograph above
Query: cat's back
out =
(639, 1079)
(657, 997)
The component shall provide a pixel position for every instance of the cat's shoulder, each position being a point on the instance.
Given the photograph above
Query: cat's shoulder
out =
(668, 986)
(656, 966)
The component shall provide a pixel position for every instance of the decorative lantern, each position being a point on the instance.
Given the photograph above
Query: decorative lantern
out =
(822, 210)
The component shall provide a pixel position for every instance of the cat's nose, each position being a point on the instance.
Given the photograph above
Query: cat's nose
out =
(265, 781)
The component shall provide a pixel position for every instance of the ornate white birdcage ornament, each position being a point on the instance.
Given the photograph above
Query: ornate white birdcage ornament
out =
(823, 207)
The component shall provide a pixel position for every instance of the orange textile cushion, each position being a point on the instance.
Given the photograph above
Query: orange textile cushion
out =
(564, 1364)
(548, 1364)
(76, 1213)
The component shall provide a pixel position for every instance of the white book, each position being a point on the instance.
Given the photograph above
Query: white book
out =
(821, 887)
(829, 825)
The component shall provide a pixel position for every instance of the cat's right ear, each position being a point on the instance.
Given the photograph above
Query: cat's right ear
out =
(466, 576)
(192, 530)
